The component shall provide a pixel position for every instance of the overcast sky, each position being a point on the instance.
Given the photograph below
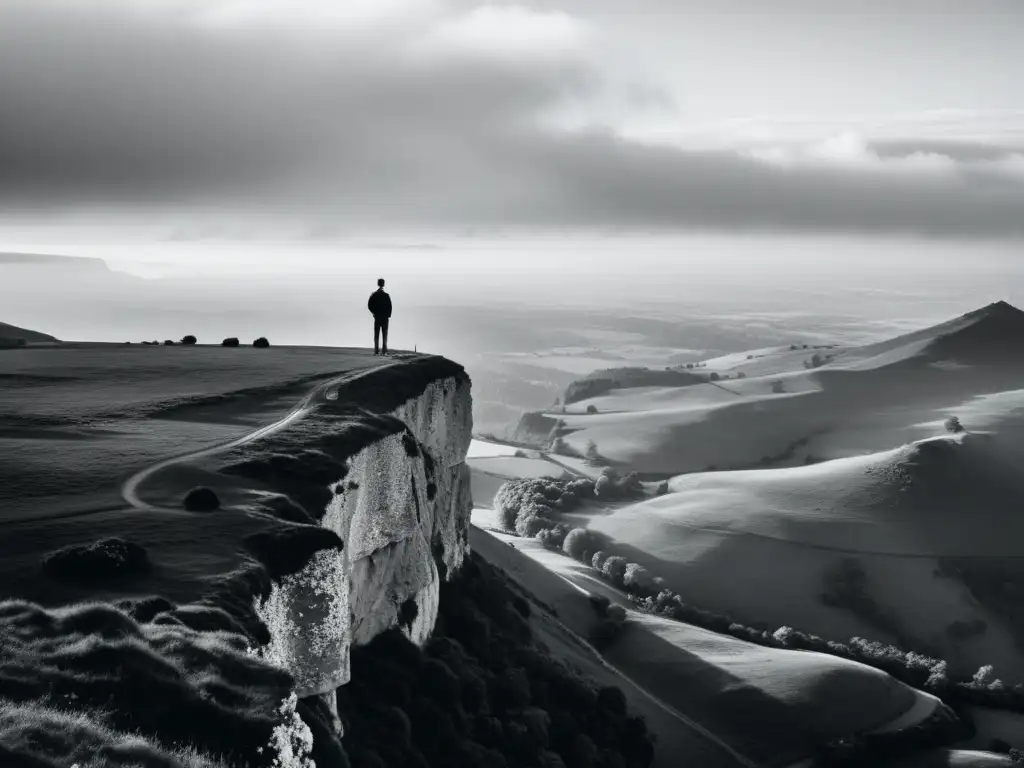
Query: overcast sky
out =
(323, 118)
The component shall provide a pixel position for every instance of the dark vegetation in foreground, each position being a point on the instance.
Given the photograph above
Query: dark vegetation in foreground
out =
(483, 692)
(91, 684)
(148, 684)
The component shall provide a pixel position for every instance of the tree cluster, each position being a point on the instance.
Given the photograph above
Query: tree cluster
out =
(482, 693)
(530, 506)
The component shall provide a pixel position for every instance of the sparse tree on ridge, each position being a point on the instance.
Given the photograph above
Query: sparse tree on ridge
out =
(953, 425)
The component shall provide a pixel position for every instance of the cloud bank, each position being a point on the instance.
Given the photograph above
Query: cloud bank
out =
(401, 114)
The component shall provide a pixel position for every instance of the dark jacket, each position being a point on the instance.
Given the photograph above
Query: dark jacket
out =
(379, 304)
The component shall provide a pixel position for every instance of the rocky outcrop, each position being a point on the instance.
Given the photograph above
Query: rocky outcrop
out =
(400, 503)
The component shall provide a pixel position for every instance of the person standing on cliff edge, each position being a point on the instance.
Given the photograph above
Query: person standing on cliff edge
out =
(380, 307)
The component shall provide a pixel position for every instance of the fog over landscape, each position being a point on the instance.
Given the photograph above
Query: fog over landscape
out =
(694, 434)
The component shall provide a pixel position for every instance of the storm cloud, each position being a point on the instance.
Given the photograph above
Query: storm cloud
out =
(417, 113)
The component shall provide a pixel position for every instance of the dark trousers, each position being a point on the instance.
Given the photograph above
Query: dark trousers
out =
(380, 326)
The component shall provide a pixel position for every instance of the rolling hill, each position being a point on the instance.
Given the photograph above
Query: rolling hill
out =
(839, 503)
(862, 399)
(12, 332)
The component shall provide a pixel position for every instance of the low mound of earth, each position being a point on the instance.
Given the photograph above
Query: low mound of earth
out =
(745, 704)
(860, 400)
(859, 546)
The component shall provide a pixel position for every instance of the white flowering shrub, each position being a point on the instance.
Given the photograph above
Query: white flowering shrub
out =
(291, 743)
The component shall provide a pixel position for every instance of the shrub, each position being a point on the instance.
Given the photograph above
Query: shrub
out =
(188, 340)
(168, 342)
(440, 684)
(630, 485)
(1000, 746)
(606, 632)
(506, 516)
(577, 542)
(662, 488)
(591, 409)
(616, 613)
(614, 570)
(261, 343)
(598, 560)
(530, 525)
(201, 499)
(638, 579)
(103, 559)
(581, 753)
(778, 387)
(604, 487)
(715, 376)
(231, 341)
(600, 604)
(554, 538)
(953, 425)
(611, 699)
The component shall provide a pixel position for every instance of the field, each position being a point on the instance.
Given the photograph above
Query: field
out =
(79, 419)
(82, 425)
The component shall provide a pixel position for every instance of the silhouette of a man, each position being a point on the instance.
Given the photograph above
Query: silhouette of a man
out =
(380, 307)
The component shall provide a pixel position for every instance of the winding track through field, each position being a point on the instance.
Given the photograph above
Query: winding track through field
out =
(327, 391)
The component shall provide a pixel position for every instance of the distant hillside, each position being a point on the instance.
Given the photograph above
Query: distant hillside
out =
(50, 260)
(11, 332)
(997, 329)
(993, 334)
(601, 382)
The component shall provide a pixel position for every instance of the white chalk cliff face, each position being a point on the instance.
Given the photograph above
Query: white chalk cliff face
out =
(403, 512)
